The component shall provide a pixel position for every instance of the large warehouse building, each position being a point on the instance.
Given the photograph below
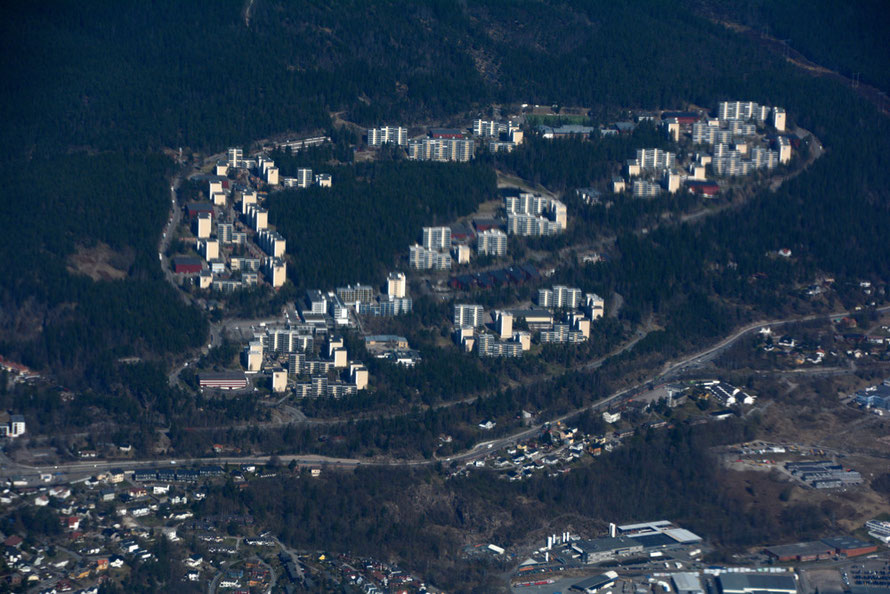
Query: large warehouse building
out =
(748, 583)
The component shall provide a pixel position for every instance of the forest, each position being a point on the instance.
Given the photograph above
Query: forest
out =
(55, 314)
(361, 228)
(418, 516)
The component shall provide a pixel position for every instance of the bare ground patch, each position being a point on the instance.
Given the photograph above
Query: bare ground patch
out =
(100, 262)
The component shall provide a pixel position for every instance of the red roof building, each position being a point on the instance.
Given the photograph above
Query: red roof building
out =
(187, 265)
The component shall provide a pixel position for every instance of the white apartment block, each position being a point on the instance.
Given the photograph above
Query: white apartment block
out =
(525, 203)
(218, 198)
(488, 345)
(272, 176)
(420, 258)
(468, 315)
(490, 128)
(566, 297)
(671, 181)
(530, 225)
(545, 297)
(778, 119)
(214, 187)
(655, 159)
(595, 305)
(209, 248)
(224, 232)
(672, 128)
(442, 149)
(236, 157)
(437, 238)
(202, 225)
(258, 217)
(388, 134)
(396, 285)
(461, 253)
(272, 242)
(248, 197)
(304, 178)
(276, 271)
(784, 149)
(644, 189)
(492, 242)
(559, 214)
(323, 180)
(742, 110)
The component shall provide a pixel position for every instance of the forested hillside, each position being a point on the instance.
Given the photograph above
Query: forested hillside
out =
(69, 313)
(362, 227)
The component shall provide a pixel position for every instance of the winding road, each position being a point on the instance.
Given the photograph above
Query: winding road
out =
(72, 471)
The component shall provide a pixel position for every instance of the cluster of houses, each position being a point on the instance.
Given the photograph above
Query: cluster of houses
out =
(743, 137)
(111, 523)
(233, 239)
(102, 527)
(563, 316)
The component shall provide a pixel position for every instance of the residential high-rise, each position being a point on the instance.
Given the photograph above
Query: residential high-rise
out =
(437, 238)
(778, 119)
(304, 177)
(388, 135)
(421, 258)
(468, 315)
(236, 156)
(492, 242)
(396, 286)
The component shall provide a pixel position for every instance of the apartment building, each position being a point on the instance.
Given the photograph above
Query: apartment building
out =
(272, 242)
(388, 135)
(468, 315)
(595, 306)
(645, 189)
(420, 258)
(784, 149)
(235, 157)
(778, 119)
(202, 225)
(396, 285)
(441, 149)
(492, 242)
(742, 110)
(356, 294)
(224, 232)
(275, 271)
(530, 225)
(655, 158)
(437, 238)
(525, 203)
(487, 345)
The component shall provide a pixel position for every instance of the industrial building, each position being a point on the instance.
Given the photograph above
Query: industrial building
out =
(224, 380)
(823, 475)
(599, 550)
(687, 583)
(595, 583)
(748, 583)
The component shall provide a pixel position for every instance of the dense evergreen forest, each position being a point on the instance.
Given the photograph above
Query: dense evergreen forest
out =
(854, 43)
(362, 227)
(109, 208)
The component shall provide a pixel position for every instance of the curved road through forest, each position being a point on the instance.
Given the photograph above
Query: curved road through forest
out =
(71, 471)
